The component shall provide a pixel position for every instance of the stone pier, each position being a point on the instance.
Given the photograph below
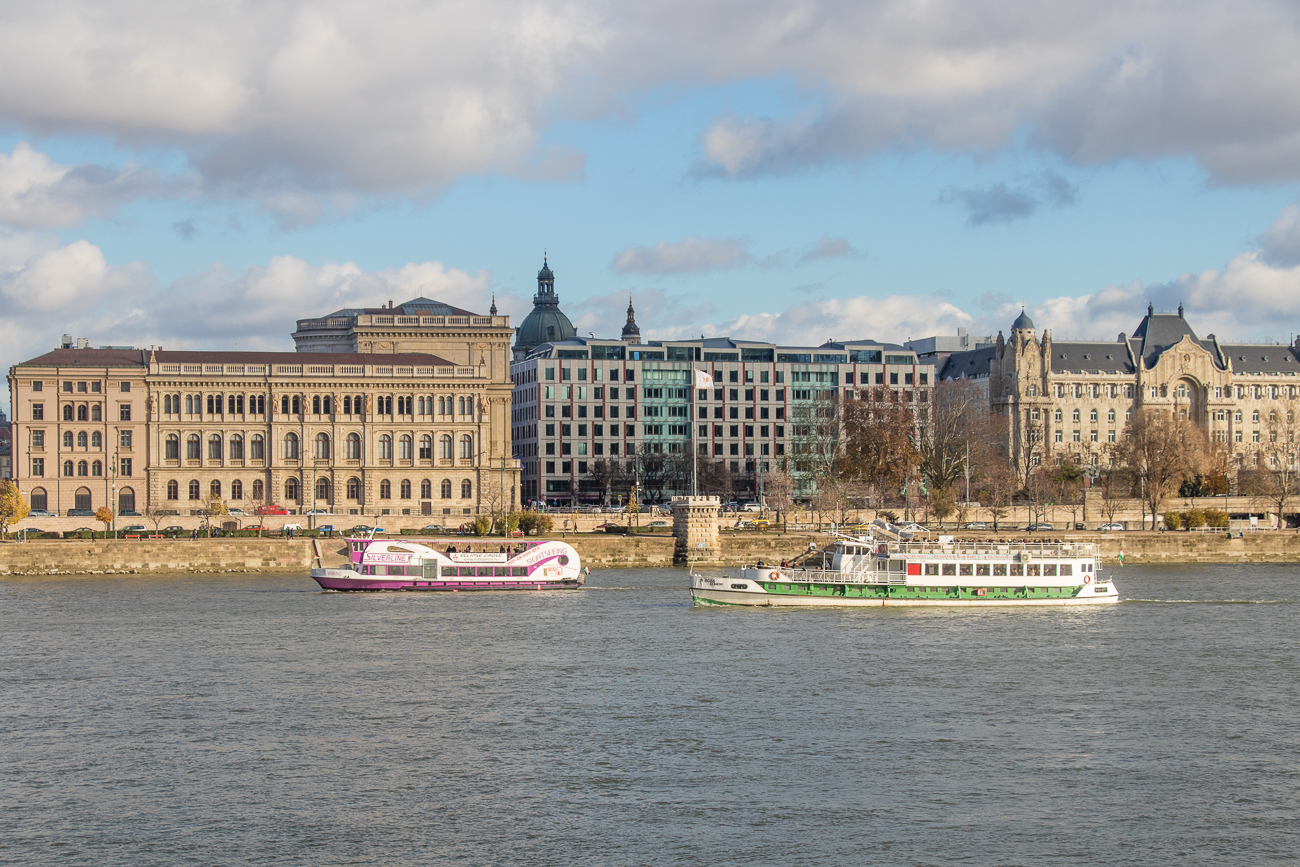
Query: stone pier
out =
(695, 529)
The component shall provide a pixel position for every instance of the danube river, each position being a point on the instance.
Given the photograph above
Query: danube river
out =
(253, 720)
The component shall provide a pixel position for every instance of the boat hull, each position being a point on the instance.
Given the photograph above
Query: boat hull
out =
(763, 600)
(708, 590)
(348, 580)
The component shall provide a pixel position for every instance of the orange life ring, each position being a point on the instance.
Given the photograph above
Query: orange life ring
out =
(882, 549)
(774, 575)
(1087, 579)
(980, 592)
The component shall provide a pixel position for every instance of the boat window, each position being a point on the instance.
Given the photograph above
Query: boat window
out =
(1067, 569)
(394, 549)
(484, 572)
(739, 587)
(931, 568)
(1034, 569)
(519, 571)
(500, 571)
(965, 569)
(950, 568)
(896, 565)
(1049, 569)
(999, 568)
(564, 559)
(981, 568)
(1017, 568)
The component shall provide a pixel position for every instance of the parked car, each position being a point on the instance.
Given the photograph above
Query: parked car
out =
(751, 507)
(295, 527)
(974, 525)
(228, 512)
(1032, 528)
(256, 528)
(81, 513)
(1105, 528)
(31, 531)
(175, 529)
(327, 529)
(660, 524)
(41, 513)
(434, 528)
(272, 510)
(607, 525)
(85, 530)
(133, 528)
(315, 512)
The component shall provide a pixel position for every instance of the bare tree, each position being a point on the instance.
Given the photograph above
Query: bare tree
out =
(880, 442)
(779, 488)
(1160, 450)
(960, 414)
(1277, 462)
(816, 431)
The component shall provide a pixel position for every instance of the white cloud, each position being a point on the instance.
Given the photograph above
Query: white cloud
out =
(691, 256)
(36, 192)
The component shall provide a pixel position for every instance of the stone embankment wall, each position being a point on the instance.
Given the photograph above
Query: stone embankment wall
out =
(210, 556)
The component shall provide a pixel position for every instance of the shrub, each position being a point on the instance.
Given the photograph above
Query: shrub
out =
(1173, 520)
(482, 525)
(1216, 518)
(535, 523)
(1194, 519)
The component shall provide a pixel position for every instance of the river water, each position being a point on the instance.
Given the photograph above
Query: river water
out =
(253, 720)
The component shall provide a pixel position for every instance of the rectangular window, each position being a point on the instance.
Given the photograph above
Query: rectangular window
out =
(1000, 570)
(124, 439)
(38, 466)
(124, 467)
(982, 569)
(38, 412)
(965, 569)
(949, 569)
(124, 412)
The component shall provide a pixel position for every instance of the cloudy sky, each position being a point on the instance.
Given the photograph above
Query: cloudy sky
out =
(201, 174)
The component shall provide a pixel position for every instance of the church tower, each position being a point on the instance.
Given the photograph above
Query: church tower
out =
(631, 333)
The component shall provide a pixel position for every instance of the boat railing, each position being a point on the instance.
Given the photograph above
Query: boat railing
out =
(993, 550)
(828, 576)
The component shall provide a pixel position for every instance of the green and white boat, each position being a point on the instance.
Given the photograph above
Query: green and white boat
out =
(868, 570)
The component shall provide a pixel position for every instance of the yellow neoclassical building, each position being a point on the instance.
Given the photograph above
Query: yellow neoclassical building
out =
(341, 432)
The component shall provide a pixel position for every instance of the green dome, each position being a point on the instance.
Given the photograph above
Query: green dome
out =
(546, 323)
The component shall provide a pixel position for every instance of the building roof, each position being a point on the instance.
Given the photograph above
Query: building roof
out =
(1260, 358)
(1023, 321)
(1091, 357)
(414, 307)
(971, 363)
(414, 359)
(88, 358)
(546, 323)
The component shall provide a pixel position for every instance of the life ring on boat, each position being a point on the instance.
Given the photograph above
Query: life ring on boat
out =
(980, 592)
(882, 549)
(1087, 579)
(774, 575)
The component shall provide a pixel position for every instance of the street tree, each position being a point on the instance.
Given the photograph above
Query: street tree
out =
(13, 508)
(880, 448)
(1160, 449)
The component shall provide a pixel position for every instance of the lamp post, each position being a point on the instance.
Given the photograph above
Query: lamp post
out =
(117, 448)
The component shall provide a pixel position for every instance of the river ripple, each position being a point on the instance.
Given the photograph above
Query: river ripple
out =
(182, 720)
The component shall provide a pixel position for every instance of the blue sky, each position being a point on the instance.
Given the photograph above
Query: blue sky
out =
(797, 171)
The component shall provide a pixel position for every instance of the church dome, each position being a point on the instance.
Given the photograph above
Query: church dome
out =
(547, 322)
(1023, 322)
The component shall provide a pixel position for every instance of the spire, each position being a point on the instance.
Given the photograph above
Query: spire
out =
(630, 331)
(493, 309)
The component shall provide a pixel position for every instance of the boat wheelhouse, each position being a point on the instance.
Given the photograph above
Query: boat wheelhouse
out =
(868, 570)
(454, 564)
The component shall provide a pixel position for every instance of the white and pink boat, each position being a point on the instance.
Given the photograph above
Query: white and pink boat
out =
(401, 564)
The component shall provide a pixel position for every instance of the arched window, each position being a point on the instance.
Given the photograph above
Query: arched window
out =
(1110, 416)
(291, 490)
(1254, 416)
(426, 490)
(354, 447)
(194, 489)
(385, 448)
(40, 500)
(404, 447)
(444, 447)
(322, 490)
(96, 440)
(172, 448)
(322, 446)
(354, 489)
(81, 439)
(173, 490)
(83, 468)
(82, 500)
(358, 405)
(189, 404)
(1075, 417)
(385, 490)
(125, 501)
(258, 490)
(67, 468)
(291, 446)
(96, 468)
(193, 447)
(426, 447)
(67, 439)
(466, 490)
(1093, 416)
(460, 405)
(406, 489)
(214, 447)
(95, 414)
(466, 447)
(236, 490)
(446, 489)
(236, 447)
(83, 412)
(315, 404)
(167, 404)
(256, 448)
(214, 489)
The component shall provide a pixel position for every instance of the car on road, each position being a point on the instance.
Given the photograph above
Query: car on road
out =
(436, 529)
(272, 510)
(31, 531)
(751, 507)
(173, 529)
(660, 524)
(974, 525)
(1034, 528)
(81, 513)
(133, 528)
(1106, 528)
(315, 512)
(41, 513)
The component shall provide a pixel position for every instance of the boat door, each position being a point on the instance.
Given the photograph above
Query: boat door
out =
(431, 569)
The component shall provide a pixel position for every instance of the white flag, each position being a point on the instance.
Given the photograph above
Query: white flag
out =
(703, 379)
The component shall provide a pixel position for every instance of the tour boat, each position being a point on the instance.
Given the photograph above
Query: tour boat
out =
(402, 564)
(866, 570)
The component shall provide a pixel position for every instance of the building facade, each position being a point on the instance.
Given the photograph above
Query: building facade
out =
(1071, 399)
(342, 432)
(594, 418)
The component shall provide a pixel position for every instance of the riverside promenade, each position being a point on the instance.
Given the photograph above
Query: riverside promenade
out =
(598, 550)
